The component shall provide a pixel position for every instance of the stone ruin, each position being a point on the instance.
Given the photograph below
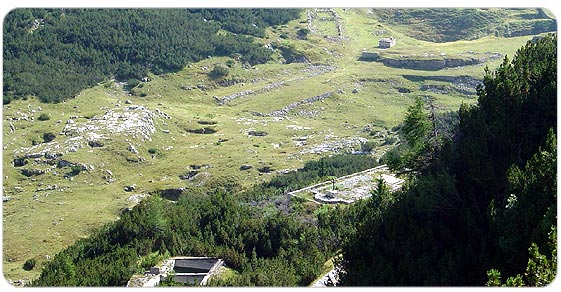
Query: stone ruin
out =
(187, 270)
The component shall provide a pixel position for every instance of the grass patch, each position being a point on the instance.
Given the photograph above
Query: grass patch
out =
(33, 229)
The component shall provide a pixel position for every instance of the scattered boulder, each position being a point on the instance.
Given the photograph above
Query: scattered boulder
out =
(403, 90)
(19, 161)
(199, 166)
(265, 169)
(32, 172)
(33, 155)
(128, 101)
(132, 149)
(189, 175)
(355, 90)
(137, 198)
(49, 155)
(257, 133)
(5, 199)
(64, 163)
(204, 130)
(86, 167)
(137, 159)
(246, 166)
(95, 144)
(130, 188)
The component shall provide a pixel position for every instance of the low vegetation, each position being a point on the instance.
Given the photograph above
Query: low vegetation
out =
(296, 101)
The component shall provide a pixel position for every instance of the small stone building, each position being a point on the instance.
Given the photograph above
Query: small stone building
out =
(187, 270)
(386, 42)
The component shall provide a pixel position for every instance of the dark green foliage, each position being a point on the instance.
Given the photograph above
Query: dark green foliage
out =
(72, 49)
(290, 53)
(416, 131)
(75, 169)
(540, 271)
(43, 117)
(368, 146)
(198, 224)
(248, 21)
(266, 248)
(204, 130)
(29, 264)
(48, 137)
(320, 170)
(487, 195)
(303, 33)
(6, 99)
(152, 150)
(132, 83)
(230, 63)
(218, 72)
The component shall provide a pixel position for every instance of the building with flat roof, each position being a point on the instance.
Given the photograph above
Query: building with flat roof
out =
(386, 42)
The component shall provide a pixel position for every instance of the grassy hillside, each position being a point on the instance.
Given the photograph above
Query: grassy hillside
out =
(453, 24)
(259, 127)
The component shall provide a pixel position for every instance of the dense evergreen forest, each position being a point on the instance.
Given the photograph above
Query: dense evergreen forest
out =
(55, 53)
(482, 201)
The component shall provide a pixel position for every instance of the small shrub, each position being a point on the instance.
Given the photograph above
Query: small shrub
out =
(6, 99)
(303, 33)
(283, 36)
(389, 140)
(132, 83)
(143, 94)
(230, 63)
(152, 150)
(48, 137)
(204, 130)
(43, 117)
(218, 72)
(367, 146)
(75, 169)
(29, 264)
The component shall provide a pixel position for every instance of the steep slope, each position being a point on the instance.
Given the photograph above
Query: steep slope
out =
(314, 97)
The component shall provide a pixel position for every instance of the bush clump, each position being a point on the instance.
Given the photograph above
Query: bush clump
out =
(29, 264)
(218, 72)
(48, 137)
(43, 117)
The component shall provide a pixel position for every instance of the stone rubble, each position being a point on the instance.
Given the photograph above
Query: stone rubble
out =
(311, 71)
(336, 146)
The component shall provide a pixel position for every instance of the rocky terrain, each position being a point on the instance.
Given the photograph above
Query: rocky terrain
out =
(70, 167)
